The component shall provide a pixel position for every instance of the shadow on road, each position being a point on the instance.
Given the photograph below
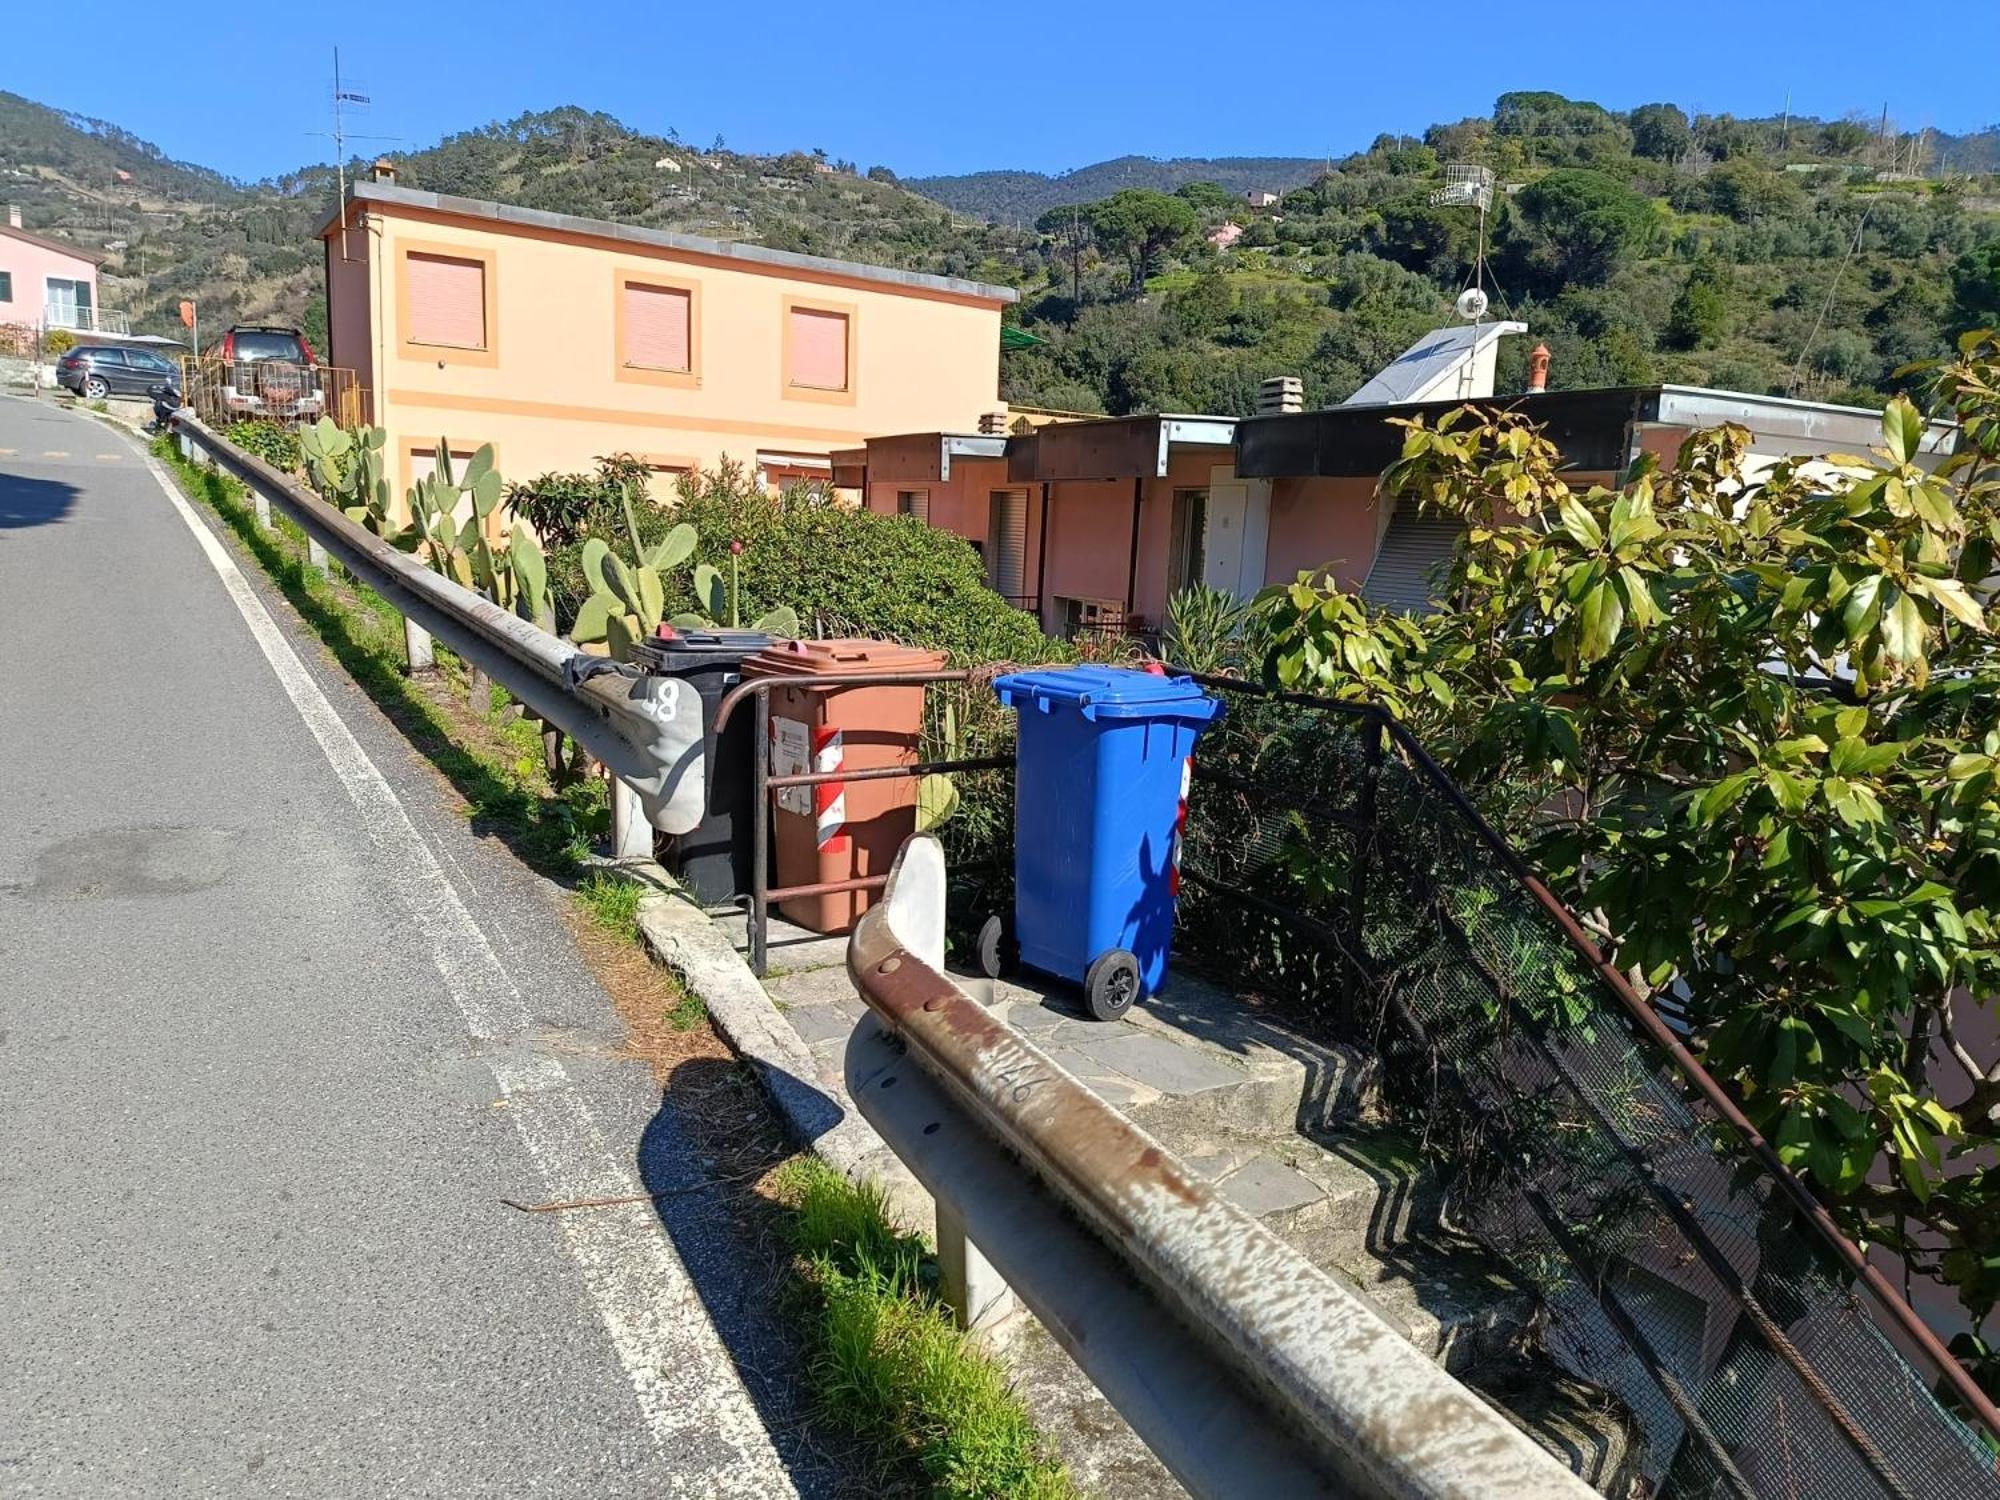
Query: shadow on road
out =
(28, 502)
(704, 1156)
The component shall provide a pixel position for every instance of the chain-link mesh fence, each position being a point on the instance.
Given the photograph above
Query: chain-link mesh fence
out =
(1335, 875)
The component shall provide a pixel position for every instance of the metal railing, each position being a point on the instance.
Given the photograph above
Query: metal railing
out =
(1247, 1369)
(619, 717)
(1685, 1267)
(87, 320)
(222, 391)
(765, 787)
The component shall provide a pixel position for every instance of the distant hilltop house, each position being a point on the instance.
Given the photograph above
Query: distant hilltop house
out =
(121, 174)
(1258, 198)
(667, 164)
(1225, 234)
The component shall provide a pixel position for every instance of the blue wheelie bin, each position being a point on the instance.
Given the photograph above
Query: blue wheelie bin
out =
(1100, 792)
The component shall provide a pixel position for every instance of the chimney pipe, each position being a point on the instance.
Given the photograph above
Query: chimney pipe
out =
(1538, 370)
(385, 170)
(14, 215)
(1281, 395)
(993, 423)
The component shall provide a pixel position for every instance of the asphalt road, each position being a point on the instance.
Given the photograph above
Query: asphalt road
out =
(278, 1030)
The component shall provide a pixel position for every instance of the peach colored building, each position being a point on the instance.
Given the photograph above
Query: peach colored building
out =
(559, 339)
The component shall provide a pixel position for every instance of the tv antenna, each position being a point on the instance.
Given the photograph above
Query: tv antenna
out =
(346, 94)
(1466, 185)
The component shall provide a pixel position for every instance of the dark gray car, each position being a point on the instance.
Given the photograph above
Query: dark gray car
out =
(99, 370)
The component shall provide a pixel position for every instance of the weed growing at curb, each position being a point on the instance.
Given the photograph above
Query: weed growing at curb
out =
(888, 1363)
(611, 903)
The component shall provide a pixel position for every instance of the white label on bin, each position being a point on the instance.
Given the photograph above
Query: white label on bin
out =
(791, 755)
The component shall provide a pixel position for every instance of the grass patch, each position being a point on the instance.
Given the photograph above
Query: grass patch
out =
(612, 903)
(505, 791)
(889, 1366)
(687, 1012)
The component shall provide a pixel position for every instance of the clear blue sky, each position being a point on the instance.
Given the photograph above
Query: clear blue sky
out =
(927, 88)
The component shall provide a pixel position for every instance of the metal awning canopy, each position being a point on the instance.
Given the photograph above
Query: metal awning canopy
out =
(925, 457)
(1112, 447)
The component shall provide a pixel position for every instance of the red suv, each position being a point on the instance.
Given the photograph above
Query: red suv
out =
(268, 370)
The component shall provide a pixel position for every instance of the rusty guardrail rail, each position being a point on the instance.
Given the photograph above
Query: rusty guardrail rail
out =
(626, 721)
(1247, 1369)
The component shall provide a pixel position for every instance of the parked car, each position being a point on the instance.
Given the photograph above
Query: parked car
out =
(269, 370)
(95, 371)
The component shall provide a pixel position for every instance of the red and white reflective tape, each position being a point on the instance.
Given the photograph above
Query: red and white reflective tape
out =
(1180, 826)
(829, 797)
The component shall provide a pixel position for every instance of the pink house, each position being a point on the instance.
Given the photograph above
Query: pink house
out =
(45, 282)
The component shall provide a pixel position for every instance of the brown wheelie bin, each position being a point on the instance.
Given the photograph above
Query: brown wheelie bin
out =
(840, 830)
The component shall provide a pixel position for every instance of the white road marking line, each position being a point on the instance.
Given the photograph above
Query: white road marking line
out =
(55, 453)
(8, 452)
(107, 458)
(688, 1388)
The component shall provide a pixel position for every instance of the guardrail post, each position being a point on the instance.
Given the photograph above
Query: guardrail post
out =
(978, 1296)
(417, 646)
(315, 553)
(187, 447)
(631, 834)
(262, 502)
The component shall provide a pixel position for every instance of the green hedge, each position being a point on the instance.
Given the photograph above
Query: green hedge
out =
(846, 572)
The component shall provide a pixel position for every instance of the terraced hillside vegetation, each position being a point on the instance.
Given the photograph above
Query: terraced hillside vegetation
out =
(1809, 257)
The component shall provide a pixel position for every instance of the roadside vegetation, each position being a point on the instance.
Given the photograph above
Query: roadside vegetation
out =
(1750, 727)
(887, 1360)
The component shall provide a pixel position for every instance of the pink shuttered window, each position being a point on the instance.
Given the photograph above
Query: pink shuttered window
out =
(447, 301)
(819, 349)
(657, 327)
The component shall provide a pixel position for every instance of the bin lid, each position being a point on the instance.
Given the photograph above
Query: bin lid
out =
(674, 647)
(852, 654)
(1108, 693)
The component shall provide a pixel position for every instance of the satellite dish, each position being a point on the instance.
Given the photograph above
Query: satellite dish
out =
(1471, 304)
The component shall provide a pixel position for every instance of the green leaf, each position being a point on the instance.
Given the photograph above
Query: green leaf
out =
(591, 619)
(652, 597)
(486, 493)
(937, 800)
(782, 621)
(1724, 795)
(710, 591)
(622, 635)
(1603, 613)
(1903, 630)
(478, 467)
(594, 554)
(1858, 614)
(1580, 524)
(1902, 430)
(1952, 595)
(673, 549)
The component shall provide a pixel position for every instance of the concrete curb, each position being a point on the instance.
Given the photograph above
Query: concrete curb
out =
(815, 1106)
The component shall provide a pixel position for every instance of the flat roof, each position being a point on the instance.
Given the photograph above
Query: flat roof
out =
(63, 247)
(1589, 426)
(758, 257)
(1112, 447)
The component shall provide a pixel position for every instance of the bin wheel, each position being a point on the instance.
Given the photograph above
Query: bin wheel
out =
(1111, 984)
(999, 954)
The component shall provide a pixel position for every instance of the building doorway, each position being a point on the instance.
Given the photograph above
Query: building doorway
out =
(1184, 541)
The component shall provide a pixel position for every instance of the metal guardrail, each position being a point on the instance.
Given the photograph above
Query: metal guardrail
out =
(625, 721)
(1247, 1369)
